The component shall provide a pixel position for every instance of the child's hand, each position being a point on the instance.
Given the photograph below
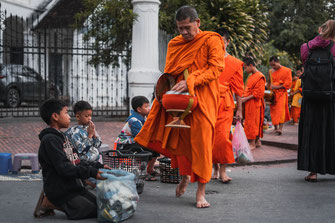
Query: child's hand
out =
(99, 177)
(91, 129)
(107, 167)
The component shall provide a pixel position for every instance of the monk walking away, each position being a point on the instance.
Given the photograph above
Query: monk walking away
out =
(201, 53)
(253, 99)
(231, 82)
(280, 82)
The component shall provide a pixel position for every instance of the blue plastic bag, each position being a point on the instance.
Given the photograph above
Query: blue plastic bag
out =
(116, 196)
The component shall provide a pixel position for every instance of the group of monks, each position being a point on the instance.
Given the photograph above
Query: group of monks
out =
(215, 77)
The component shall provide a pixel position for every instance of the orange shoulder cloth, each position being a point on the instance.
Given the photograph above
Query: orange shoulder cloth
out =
(232, 65)
(181, 53)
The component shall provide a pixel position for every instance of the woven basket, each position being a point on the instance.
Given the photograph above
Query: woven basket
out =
(168, 174)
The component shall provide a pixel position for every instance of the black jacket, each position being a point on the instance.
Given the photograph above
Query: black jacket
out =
(61, 167)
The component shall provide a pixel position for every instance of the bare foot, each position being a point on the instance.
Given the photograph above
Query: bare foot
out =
(258, 143)
(181, 188)
(252, 146)
(215, 175)
(200, 197)
(226, 179)
(223, 174)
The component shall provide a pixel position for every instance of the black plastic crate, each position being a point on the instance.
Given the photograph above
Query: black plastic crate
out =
(133, 161)
(168, 174)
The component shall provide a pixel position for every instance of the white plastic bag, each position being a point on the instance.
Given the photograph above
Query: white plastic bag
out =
(241, 146)
(116, 196)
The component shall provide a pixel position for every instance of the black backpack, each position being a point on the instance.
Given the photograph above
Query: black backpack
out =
(318, 78)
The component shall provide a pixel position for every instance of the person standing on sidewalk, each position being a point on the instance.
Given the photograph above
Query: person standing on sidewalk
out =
(231, 82)
(316, 149)
(202, 54)
(253, 99)
(296, 97)
(281, 81)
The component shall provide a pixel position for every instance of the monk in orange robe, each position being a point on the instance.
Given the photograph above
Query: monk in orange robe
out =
(294, 80)
(296, 97)
(202, 54)
(253, 99)
(281, 81)
(231, 81)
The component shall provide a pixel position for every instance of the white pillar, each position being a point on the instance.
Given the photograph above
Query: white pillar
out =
(145, 56)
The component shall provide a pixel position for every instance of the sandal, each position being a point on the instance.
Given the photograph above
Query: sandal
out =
(310, 179)
(155, 174)
(44, 207)
(150, 177)
(278, 132)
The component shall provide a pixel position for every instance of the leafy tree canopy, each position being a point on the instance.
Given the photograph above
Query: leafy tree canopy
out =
(293, 22)
(109, 24)
(246, 21)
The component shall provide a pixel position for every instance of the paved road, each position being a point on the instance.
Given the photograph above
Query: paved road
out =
(257, 194)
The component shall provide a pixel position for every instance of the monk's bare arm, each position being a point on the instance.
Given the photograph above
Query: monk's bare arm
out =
(215, 63)
(276, 87)
(239, 107)
(245, 99)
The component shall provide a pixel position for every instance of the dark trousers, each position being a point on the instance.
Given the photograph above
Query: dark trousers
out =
(81, 207)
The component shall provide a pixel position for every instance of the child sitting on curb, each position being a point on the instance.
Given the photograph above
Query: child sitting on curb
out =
(134, 123)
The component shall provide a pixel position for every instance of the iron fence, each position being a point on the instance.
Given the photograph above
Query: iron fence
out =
(39, 62)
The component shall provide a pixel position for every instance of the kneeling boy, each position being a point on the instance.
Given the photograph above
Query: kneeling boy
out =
(62, 169)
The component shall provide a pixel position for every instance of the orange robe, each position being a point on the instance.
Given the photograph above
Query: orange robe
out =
(254, 108)
(279, 109)
(291, 91)
(296, 102)
(204, 58)
(231, 81)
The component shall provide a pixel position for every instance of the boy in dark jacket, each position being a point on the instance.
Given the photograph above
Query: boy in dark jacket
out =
(62, 169)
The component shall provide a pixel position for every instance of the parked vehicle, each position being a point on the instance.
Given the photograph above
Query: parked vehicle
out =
(20, 83)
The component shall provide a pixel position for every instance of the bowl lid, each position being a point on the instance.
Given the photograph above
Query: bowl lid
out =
(164, 83)
(176, 92)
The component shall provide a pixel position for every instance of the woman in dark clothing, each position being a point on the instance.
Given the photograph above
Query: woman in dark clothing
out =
(316, 149)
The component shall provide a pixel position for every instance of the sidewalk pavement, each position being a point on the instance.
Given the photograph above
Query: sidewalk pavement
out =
(20, 135)
(288, 139)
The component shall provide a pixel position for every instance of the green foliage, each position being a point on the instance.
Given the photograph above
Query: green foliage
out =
(245, 19)
(293, 22)
(108, 24)
(270, 50)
